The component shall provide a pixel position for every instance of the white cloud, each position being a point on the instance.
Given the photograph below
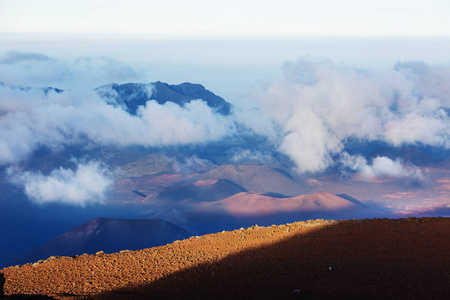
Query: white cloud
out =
(416, 128)
(244, 156)
(317, 105)
(385, 167)
(14, 57)
(192, 164)
(85, 72)
(71, 117)
(427, 80)
(254, 120)
(53, 119)
(381, 168)
(307, 114)
(87, 184)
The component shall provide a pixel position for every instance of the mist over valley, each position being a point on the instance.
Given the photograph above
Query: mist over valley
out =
(323, 141)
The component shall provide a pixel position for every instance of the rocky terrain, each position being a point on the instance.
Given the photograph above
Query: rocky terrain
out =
(108, 235)
(366, 259)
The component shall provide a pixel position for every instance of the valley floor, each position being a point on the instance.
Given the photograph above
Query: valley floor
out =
(365, 259)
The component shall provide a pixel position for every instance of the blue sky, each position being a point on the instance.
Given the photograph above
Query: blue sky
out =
(243, 17)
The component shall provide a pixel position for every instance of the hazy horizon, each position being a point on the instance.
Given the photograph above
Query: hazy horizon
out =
(230, 66)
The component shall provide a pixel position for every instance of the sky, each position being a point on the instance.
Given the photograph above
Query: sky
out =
(228, 46)
(242, 17)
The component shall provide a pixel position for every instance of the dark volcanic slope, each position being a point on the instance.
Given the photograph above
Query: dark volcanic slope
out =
(356, 259)
(132, 95)
(109, 235)
(258, 178)
(198, 191)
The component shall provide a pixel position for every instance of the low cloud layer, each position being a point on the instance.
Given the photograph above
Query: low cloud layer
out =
(382, 168)
(32, 117)
(244, 156)
(192, 164)
(40, 70)
(70, 118)
(87, 184)
(316, 106)
(14, 57)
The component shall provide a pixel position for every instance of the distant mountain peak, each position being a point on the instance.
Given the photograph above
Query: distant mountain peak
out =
(44, 90)
(109, 235)
(130, 96)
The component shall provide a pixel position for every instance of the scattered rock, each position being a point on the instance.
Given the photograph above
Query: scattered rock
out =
(244, 262)
(52, 258)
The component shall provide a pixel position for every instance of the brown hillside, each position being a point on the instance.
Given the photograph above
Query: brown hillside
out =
(364, 259)
(260, 178)
(252, 203)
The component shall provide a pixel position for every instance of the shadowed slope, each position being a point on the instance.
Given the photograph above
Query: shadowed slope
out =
(198, 191)
(259, 178)
(356, 259)
(109, 235)
(362, 259)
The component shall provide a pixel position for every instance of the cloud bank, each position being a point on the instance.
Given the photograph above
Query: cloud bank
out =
(37, 69)
(244, 156)
(33, 116)
(317, 105)
(308, 113)
(70, 118)
(87, 184)
(382, 168)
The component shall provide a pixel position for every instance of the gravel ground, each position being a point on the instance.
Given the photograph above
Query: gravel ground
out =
(365, 259)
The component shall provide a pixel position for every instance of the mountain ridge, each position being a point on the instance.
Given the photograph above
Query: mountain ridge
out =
(130, 96)
(108, 235)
